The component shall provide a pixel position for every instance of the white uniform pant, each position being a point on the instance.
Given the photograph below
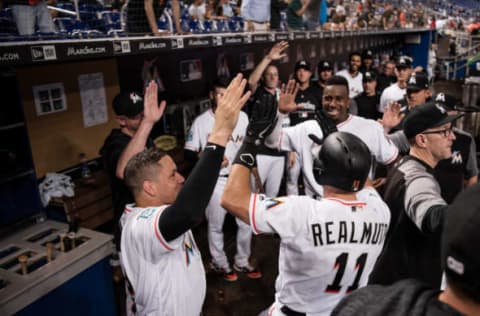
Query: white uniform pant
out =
(270, 170)
(216, 216)
(292, 176)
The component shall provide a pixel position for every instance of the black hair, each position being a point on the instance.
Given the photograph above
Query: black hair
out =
(220, 82)
(354, 54)
(142, 166)
(337, 81)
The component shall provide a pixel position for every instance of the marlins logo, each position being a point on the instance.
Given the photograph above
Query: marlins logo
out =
(272, 202)
(457, 157)
(135, 97)
(188, 246)
(413, 79)
(440, 97)
(440, 108)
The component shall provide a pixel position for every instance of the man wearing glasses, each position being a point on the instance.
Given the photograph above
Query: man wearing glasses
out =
(412, 247)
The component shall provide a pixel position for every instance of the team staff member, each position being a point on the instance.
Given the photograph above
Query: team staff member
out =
(367, 62)
(412, 248)
(197, 141)
(163, 266)
(461, 170)
(367, 101)
(335, 105)
(134, 123)
(460, 260)
(265, 80)
(328, 247)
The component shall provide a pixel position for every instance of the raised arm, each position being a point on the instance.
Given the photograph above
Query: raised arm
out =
(236, 197)
(189, 208)
(151, 114)
(275, 53)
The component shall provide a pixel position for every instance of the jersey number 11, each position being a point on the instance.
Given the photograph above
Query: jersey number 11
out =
(341, 264)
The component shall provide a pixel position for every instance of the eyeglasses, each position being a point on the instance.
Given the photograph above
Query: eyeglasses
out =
(445, 132)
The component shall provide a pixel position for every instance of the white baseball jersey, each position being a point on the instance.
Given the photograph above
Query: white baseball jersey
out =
(369, 131)
(392, 93)
(355, 84)
(167, 278)
(202, 126)
(328, 247)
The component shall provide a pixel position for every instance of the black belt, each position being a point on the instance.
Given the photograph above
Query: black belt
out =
(290, 312)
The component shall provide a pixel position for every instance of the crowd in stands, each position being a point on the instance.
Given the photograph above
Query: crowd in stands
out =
(96, 18)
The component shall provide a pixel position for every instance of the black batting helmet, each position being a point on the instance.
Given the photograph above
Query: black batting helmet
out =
(343, 161)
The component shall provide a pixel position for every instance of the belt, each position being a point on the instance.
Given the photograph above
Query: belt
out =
(290, 312)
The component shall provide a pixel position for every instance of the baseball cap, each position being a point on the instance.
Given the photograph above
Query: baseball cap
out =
(324, 65)
(128, 103)
(369, 76)
(404, 61)
(460, 255)
(425, 116)
(302, 64)
(417, 81)
(452, 103)
(448, 101)
(367, 54)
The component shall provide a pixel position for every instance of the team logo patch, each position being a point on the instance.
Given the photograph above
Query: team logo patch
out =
(272, 202)
(188, 246)
(147, 213)
(440, 97)
(457, 157)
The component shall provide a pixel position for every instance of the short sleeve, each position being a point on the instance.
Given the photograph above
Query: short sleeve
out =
(142, 233)
(193, 142)
(387, 152)
(281, 215)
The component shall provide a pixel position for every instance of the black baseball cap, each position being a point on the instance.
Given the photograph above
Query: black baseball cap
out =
(460, 255)
(324, 65)
(128, 103)
(404, 62)
(425, 116)
(417, 81)
(302, 64)
(367, 54)
(448, 101)
(452, 103)
(369, 76)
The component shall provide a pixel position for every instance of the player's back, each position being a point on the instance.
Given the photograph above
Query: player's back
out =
(333, 251)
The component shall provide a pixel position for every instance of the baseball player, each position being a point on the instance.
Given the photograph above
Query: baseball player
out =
(196, 141)
(329, 246)
(162, 264)
(335, 106)
(264, 79)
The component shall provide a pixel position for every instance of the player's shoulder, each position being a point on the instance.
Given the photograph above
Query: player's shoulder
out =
(243, 117)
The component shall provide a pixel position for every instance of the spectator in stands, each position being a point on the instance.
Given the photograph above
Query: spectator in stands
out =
(277, 6)
(387, 77)
(142, 16)
(197, 10)
(397, 91)
(367, 101)
(29, 14)
(256, 15)
(432, 61)
(226, 9)
(353, 74)
(387, 17)
(312, 15)
(295, 12)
